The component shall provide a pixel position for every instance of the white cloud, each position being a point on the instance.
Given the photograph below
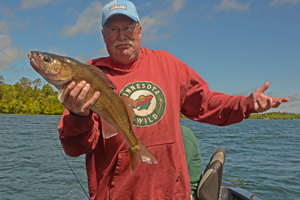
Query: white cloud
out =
(6, 11)
(178, 4)
(295, 97)
(88, 21)
(29, 4)
(9, 55)
(152, 22)
(279, 2)
(5, 25)
(293, 106)
(287, 107)
(231, 5)
(145, 6)
(5, 41)
(55, 50)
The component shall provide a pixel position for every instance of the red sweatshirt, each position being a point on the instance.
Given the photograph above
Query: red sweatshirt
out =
(162, 86)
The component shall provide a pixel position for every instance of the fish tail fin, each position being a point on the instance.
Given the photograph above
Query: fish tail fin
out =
(140, 153)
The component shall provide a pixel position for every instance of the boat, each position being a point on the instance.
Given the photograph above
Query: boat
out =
(211, 186)
(231, 192)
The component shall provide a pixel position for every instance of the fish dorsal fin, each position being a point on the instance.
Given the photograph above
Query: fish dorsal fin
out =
(102, 75)
(108, 130)
(129, 102)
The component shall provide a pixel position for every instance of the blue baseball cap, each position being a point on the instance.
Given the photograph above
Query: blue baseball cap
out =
(123, 7)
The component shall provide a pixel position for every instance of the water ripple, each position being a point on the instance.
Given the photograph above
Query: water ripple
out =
(262, 156)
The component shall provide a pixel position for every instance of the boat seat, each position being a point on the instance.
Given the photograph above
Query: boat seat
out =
(210, 183)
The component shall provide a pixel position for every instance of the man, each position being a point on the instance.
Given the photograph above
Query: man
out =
(162, 86)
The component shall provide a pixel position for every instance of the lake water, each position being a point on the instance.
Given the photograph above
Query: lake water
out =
(262, 156)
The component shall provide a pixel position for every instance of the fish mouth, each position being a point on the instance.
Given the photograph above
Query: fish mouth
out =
(36, 62)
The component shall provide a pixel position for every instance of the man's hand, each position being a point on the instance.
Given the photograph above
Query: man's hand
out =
(74, 98)
(263, 102)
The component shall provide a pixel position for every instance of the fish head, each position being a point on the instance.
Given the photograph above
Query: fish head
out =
(57, 70)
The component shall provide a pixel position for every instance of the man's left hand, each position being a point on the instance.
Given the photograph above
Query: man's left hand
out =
(263, 102)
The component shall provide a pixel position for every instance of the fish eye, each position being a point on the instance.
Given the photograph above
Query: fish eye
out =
(47, 59)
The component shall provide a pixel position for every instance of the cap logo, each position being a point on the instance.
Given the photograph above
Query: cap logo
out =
(124, 7)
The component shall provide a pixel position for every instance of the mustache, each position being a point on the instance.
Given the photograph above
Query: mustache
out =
(125, 42)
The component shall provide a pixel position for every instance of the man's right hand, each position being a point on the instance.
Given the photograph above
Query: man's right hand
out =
(74, 98)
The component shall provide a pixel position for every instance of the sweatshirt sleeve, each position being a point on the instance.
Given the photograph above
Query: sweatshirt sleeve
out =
(78, 135)
(199, 103)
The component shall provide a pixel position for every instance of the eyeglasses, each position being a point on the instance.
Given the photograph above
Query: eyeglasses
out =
(128, 30)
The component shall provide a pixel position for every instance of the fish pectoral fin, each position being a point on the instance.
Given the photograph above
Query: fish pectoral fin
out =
(127, 103)
(61, 96)
(108, 130)
(140, 153)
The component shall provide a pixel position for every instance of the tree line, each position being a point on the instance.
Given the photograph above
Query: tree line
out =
(29, 97)
(33, 97)
(271, 115)
(276, 115)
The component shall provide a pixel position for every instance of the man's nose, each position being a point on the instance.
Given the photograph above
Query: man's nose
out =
(122, 35)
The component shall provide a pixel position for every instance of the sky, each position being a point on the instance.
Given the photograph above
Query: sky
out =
(234, 45)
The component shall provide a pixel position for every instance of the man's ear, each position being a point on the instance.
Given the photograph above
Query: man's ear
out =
(140, 32)
(104, 38)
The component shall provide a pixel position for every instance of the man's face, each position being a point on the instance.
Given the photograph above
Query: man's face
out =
(122, 45)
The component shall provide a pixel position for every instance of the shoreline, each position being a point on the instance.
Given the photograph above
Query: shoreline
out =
(254, 119)
(28, 114)
(268, 116)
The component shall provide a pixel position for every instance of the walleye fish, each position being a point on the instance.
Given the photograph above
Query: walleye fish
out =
(116, 112)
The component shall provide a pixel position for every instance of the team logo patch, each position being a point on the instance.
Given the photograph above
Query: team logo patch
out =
(150, 102)
(124, 7)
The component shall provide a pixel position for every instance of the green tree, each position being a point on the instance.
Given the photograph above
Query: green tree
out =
(26, 97)
(12, 106)
(1, 80)
(34, 107)
(37, 83)
(4, 106)
(25, 83)
(48, 90)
